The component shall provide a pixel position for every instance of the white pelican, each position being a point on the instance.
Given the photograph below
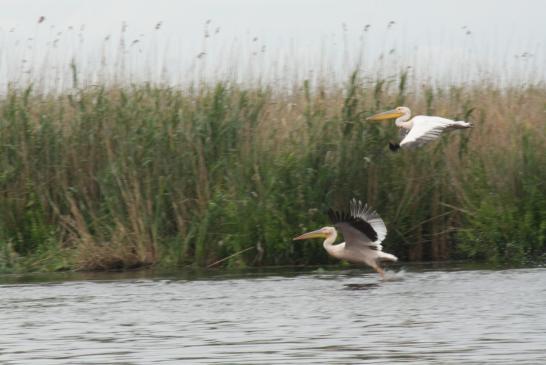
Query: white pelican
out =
(420, 129)
(363, 230)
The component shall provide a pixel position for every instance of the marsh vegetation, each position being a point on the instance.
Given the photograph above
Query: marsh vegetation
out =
(112, 177)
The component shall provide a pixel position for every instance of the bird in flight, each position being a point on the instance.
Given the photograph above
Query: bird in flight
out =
(363, 231)
(418, 130)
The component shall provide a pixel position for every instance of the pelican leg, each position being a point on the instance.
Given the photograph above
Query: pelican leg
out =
(380, 271)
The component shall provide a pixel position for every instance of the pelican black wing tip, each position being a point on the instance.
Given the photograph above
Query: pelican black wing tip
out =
(353, 218)
(394, 147)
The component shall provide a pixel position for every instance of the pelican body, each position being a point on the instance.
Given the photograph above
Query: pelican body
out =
(363, 230)
(420, 129)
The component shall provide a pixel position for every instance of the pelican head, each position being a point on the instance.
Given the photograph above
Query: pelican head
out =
(392, 114)
(324, 232)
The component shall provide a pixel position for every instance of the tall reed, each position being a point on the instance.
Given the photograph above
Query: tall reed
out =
(119, 177)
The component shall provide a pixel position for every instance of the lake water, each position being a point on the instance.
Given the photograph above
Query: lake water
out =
(436, 316)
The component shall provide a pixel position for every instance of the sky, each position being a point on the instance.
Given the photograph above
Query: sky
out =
(177, 41)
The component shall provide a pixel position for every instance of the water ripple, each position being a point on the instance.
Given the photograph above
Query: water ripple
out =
(451, 317)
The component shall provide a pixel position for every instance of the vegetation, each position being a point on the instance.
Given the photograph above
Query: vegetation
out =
(121, 177)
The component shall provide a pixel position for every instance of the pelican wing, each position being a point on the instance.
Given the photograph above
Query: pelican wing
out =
(360, 226)
(425, 129)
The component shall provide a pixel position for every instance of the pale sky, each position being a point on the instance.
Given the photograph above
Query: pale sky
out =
(442, 39)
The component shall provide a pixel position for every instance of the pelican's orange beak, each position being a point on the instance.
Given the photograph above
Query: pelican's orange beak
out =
(314, 234)
(391, 114)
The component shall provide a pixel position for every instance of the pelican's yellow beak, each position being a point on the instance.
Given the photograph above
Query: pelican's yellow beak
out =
(314, 234)
(391, 114)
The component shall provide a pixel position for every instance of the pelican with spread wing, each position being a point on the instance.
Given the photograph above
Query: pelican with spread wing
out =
(363, 230)
(420, 129)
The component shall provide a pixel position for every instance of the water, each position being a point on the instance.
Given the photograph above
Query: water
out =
(431, 316)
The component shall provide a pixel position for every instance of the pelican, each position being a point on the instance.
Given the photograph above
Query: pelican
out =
(418, 130)
(363, 230)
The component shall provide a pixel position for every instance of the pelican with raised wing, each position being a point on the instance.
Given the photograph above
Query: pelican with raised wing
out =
(420, 129)
(363, 230)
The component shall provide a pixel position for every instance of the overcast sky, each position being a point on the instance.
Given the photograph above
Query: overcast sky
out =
(441, 37)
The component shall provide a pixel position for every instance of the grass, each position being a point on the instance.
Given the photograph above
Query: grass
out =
(122, 177)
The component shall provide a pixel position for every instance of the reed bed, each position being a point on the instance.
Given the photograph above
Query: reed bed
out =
(108, 177)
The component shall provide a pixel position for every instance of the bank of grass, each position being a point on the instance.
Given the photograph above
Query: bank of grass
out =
(102, 178)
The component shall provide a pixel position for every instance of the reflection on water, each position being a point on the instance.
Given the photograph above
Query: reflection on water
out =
(365, 286)
(434, 316)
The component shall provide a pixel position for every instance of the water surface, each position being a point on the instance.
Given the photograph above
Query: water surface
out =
(432, 316)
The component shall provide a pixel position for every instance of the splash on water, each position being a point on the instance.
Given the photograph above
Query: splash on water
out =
(394, 275)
